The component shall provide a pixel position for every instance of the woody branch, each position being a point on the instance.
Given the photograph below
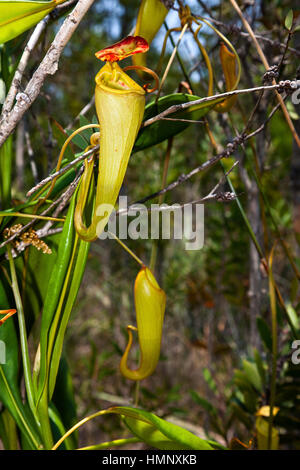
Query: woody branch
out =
(48, 66)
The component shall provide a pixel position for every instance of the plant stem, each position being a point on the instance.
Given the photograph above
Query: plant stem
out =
(134, 256)
(274, 348)
(23, 337)
(114, 443)
(78, 425)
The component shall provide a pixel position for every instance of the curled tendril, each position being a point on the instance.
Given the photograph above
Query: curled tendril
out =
(207, 61)
(187, 18)
(163, 50)
(62, 152)
(149, 72)
(229, 44)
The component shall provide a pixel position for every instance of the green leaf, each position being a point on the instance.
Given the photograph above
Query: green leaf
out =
(6, 158)
(87, 133)
(209, 380)
(264, 332)
(159, 433)
(252, 374)
(60, 136)
(203, 402)
(250, 394)
(76, 277)
(241, 415)
(82, 141)
(54, 289)
(242, 381)
(164, 129)
(260, 366)
(17, 16)
(38, 268)
(9, 386)
(293, 316)
(288, 22)
(8, 431)
(64, 401)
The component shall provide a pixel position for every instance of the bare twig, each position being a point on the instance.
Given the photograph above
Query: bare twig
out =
(84, 110)
(179, 107)
(191, 121)
(161, 116)
(229, 28)
(15, 85)
(267, 67)
(227, 152)
(31, 157)
(61, 202)
(48, 66)
(62, 170)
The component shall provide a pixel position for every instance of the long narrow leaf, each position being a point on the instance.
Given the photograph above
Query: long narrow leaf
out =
(55, 286)
(159, 433)
(79, 267)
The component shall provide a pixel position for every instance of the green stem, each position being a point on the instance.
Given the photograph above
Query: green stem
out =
(126, 248)
(6, 156)
(78, 425)
(274, 351)
(23, 337)
(137, 393)
(115, 443)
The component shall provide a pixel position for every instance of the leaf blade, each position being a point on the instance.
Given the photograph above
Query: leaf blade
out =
(18, 16)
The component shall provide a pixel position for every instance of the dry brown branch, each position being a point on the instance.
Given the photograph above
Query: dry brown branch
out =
(48, 66)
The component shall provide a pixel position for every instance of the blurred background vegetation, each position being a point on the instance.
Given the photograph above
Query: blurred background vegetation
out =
(218, 315)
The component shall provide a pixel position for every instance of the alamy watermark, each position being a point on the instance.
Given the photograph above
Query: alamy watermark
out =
(296, 94)
(159, 221)
(296, 353)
